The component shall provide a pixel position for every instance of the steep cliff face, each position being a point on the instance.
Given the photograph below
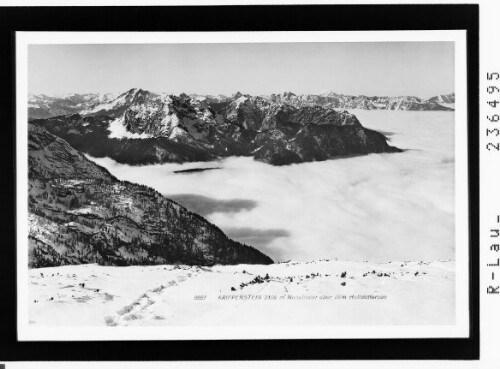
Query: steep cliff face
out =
(297, 143)
(157, 129)
(79, 213)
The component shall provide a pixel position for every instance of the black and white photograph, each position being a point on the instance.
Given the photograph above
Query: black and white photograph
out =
(241, 185)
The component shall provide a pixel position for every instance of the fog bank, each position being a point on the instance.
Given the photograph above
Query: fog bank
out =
(377, 207)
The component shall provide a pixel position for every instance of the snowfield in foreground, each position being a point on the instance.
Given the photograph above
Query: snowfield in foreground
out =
(314, 293)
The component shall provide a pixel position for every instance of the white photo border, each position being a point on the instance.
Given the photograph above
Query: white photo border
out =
(31, 333)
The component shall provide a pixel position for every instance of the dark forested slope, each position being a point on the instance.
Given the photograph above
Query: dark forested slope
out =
(79, 213)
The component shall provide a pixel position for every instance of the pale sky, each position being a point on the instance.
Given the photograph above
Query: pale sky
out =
(421, 69)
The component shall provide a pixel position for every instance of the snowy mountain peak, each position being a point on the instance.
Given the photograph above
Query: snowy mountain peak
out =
(237, 95)
(448, 98)
(130, 92)
(329, 94)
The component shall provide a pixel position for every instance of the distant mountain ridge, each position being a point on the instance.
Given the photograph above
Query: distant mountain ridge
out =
(448, 99)
(43, 106)
(338, 101)
(139, 127)
(79, 213)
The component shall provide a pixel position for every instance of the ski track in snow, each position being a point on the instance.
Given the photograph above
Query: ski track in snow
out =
(415, 293)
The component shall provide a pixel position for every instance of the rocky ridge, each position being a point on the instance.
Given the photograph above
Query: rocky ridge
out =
(142, 128)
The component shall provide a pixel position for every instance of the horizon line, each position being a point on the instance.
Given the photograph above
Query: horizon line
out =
(232, 94)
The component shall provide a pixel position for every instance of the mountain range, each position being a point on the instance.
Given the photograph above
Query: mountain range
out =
(79, 213)
(338, 101)
(139, 127)
(44, 106)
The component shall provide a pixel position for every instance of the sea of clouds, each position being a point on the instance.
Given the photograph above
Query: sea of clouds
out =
(377, 207)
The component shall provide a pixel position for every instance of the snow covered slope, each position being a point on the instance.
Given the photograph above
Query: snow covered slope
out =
(315, 293)
(80, 213)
